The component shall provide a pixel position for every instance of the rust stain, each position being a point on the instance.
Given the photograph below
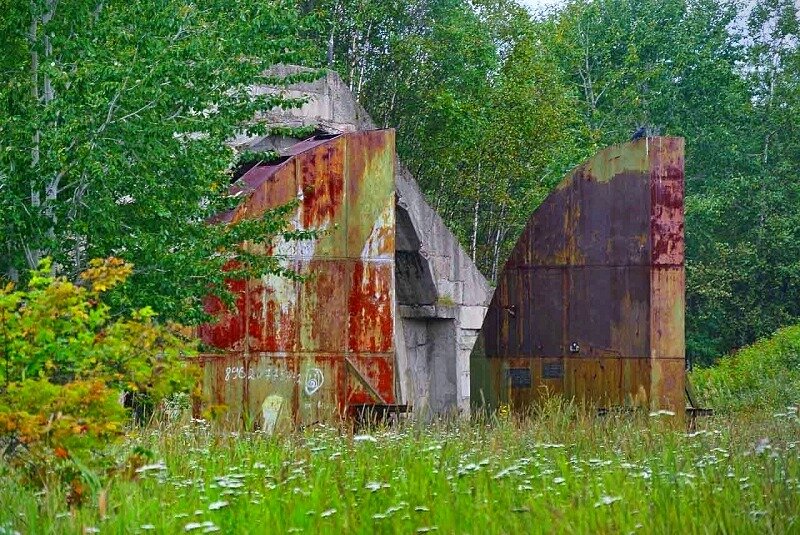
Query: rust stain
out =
(324, 298)
(378, 370)
(294, 338)
(272, 313)
(230, 330)
(591, 300)
(370, 314)
(666, 157)
(370, 174)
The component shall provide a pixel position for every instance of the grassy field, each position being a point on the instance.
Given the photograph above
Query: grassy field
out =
(562, 471)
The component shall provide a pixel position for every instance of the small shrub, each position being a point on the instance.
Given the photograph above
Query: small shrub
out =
(765, 375)
(66, 364)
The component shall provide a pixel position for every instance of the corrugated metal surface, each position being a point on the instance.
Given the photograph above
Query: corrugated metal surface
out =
(300, 352)
(590, 303)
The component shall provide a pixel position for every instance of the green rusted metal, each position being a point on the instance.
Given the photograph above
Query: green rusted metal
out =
(299, 352)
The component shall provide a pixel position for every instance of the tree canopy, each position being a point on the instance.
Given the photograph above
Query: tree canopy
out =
(114, 118)
(512, 100)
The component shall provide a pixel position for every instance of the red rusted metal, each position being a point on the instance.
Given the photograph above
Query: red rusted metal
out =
(299, 352)
(591, 301)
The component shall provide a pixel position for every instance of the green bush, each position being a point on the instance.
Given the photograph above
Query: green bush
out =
(765, 375)
(66, 364)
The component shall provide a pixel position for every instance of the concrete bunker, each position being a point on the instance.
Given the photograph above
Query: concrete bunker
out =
(590, 303)
(423, 301)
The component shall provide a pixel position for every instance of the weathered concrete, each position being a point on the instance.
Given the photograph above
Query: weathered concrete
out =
(441, 297)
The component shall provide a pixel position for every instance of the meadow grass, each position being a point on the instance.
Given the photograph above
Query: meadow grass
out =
(561, 470)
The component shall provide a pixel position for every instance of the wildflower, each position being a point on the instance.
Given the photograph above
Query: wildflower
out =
(217, 505)
(506, 471)
(6, 529)
(472, 467)
(761, 446)
(207, 526)
(328, 512)
(364, 438)
(607, 500)
(149, 467)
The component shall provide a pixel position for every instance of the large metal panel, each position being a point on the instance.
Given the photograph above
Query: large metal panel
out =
(549, 237)
(272, 306)
(324, 198)
(591, 301)
(321, 389)
(223, 384)
(666, 231)
(608, 312)
(271, 390)
(370, 379)
(370, 310)
(370, 176)
(548, 289)
(268, 186)
(509, 317)
(310, 348)
(613, 218)
(667, 312)
(324, 302)
(230, 330)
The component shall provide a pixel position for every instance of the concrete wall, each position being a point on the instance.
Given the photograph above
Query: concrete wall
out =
(441, 297)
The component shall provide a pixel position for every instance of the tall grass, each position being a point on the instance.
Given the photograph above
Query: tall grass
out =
(560, 470)
(763, 376)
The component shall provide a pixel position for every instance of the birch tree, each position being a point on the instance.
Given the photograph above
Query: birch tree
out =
(113, 122)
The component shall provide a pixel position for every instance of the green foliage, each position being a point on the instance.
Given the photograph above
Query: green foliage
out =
(481, 114)
(66, 361)
(691, 68)
(765, 375)
(743, 225)
(114, 122)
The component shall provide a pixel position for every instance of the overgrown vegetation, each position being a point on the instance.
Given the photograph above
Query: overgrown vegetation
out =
(67, 365)
(114, 123)
(115, 118)
(561, 470)
(763, 376)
